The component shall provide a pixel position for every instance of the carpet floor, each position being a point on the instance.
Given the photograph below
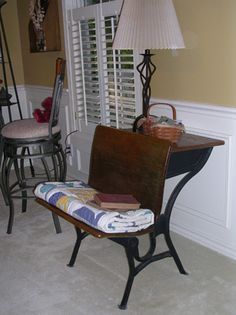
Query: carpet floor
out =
(34, 278)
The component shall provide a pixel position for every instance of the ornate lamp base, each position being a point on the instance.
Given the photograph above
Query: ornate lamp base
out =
(146, 70)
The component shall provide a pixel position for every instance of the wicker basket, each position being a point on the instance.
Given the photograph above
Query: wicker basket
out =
(162, 131)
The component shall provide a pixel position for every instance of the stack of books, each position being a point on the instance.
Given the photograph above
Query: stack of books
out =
(120, 202)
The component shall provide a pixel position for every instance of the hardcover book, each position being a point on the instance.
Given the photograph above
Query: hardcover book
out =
(116, 201)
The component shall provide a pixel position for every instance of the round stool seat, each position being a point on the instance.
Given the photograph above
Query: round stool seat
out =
(27, 129)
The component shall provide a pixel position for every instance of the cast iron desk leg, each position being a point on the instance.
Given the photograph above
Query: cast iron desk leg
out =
(165, 217)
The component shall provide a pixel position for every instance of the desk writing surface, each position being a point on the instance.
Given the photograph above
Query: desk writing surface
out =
(188, 151)
(188, 142)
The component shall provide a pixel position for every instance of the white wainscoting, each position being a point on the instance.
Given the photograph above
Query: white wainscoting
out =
(14, 110)
(36, 94)
(205, 210)
(30, 97)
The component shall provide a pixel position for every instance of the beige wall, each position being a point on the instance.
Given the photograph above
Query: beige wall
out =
(29, 68)
(205, 71)
(39, 68)
(11, 24)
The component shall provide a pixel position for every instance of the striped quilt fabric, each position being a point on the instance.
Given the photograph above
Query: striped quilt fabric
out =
(72, 197)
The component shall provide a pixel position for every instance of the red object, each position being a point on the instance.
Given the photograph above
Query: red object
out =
(47, 103)
(43, 115)
(38, 115)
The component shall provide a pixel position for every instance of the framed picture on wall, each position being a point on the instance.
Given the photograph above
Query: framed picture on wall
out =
(44, 28)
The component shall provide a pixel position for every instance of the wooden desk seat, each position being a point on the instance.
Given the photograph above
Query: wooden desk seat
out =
(124, 162)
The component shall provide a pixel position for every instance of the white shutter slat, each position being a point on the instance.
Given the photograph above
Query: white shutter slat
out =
(86, 69)
(119, 74)
(104, 82)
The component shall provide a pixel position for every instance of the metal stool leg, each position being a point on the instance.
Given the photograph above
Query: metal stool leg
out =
(13, 155)
(6, 169)
(23, 177)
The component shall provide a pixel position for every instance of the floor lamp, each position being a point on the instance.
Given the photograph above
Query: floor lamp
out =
(145, 25)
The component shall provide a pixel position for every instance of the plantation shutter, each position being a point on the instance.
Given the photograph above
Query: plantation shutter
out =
(104, 79)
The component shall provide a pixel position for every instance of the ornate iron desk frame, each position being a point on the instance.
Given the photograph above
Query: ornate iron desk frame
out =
(188, 157)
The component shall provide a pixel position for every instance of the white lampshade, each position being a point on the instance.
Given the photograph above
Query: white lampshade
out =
(148, 24)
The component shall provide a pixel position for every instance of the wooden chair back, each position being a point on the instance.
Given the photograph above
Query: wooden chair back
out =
(128, 163)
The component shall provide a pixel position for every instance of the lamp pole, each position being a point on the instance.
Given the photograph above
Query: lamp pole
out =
(146, 70)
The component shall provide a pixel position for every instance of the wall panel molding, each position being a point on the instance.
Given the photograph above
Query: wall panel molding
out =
(205, 209)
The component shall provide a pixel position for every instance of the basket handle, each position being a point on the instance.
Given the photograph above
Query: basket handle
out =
(156, 104)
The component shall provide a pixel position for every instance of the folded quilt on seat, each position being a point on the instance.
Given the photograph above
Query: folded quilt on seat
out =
(72, 197)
